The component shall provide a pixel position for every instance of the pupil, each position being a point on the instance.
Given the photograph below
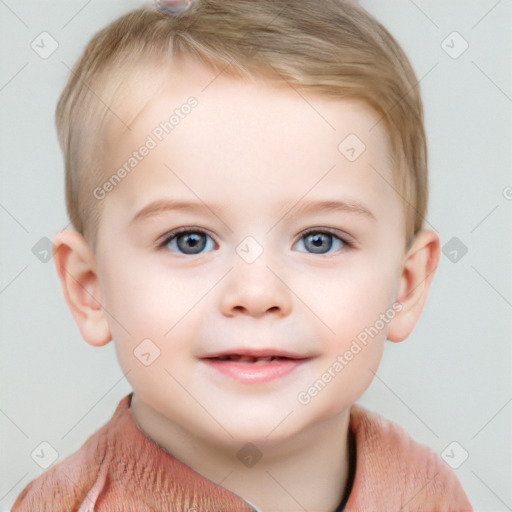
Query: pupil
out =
(319, 242)
(193, 240)
(191, 243)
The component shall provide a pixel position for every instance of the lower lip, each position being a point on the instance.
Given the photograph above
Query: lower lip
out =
(255, 373)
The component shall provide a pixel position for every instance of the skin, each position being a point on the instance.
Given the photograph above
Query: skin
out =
(255, 153)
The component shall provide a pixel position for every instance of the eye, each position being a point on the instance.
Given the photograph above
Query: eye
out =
(320, 242)
(189, 242)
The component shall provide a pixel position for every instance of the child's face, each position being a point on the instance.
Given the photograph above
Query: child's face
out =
(266, 270)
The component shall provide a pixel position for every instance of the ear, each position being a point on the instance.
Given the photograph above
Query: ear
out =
(420, 263)
(77, 270)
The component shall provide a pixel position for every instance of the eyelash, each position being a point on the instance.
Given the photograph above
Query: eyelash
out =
(347, 244)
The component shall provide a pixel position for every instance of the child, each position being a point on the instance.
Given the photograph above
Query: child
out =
(248, 183)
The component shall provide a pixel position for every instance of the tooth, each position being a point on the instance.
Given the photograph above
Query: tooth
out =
(249, 359)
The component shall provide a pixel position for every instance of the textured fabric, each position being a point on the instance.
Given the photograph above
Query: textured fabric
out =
(395, 473)
(119, 469)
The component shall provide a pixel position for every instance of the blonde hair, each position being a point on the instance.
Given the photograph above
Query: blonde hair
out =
(332, 46)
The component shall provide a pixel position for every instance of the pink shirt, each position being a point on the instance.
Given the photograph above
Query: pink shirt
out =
(119, 469)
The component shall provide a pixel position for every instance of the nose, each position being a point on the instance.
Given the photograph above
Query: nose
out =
(254, 289)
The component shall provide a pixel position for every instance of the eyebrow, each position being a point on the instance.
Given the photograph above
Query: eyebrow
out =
(162, 206)
(352, 207)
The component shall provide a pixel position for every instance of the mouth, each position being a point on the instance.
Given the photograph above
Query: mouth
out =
(254, 366)
(251, 359)
(256, 356)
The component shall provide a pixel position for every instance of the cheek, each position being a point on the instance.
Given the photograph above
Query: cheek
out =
(146, 299)
(136, 293)
(145, 308)
(356, 304)
(350, 298)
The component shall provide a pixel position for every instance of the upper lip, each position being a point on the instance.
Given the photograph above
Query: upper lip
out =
(256, 354)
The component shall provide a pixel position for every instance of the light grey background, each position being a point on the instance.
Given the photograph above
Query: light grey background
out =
(450, 381)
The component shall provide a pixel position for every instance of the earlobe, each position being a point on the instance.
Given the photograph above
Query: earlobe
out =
(76, 267)
(420, 263)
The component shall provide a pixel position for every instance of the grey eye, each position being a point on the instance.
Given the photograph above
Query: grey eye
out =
(318, 242)
(190, 242)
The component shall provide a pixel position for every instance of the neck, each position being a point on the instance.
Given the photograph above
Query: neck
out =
(308, 472)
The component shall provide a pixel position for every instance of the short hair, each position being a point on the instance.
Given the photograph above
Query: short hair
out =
(334, 47)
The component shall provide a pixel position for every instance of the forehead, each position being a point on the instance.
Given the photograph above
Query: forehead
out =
(154, 89)
(244, 137)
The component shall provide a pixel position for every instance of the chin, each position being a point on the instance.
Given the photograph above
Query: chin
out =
(263, 428)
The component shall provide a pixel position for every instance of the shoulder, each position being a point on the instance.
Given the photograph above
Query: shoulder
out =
(66, 485)
(393, 470)
(119, 468)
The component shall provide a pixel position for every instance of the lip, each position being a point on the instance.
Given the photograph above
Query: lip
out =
(255, 366)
